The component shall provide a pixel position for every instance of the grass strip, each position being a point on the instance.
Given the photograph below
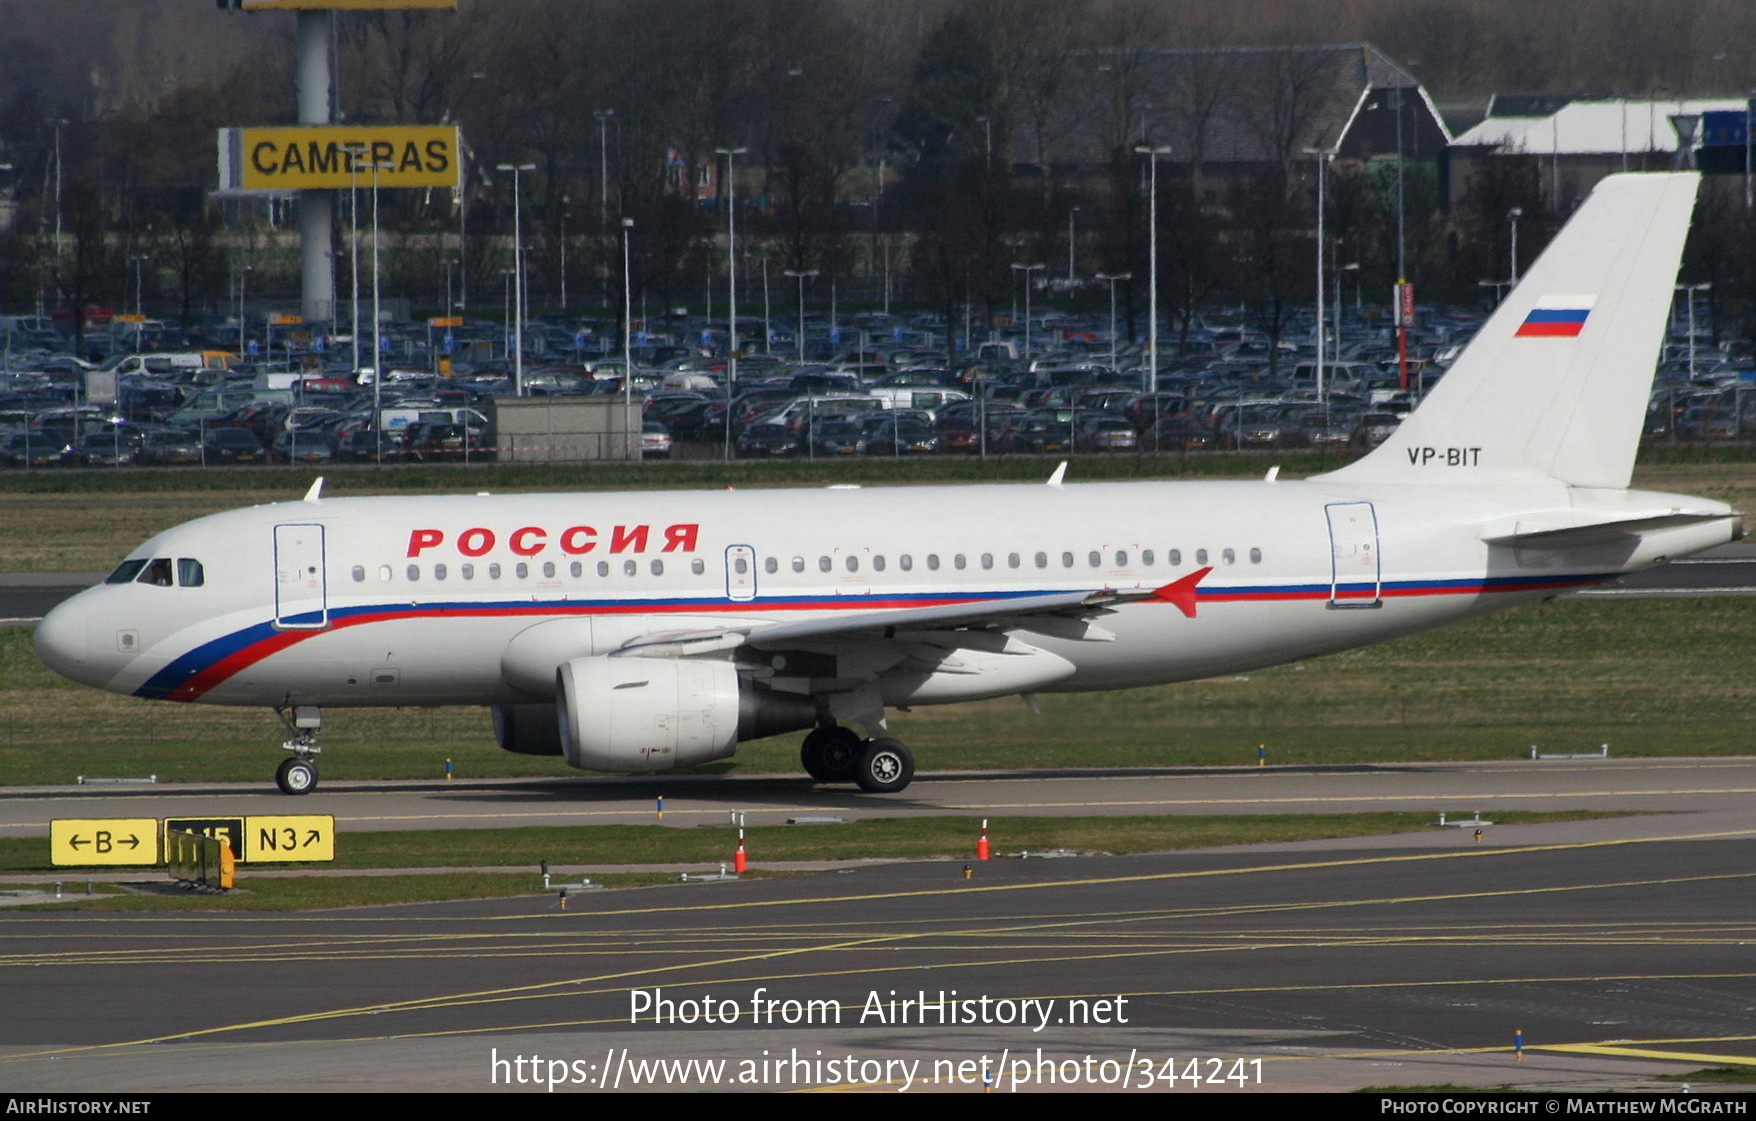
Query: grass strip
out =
(880, 838)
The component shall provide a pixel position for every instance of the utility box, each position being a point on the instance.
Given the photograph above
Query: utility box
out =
(567, 429)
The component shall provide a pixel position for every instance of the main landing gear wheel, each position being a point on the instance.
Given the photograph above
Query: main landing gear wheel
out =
(831, 753)
(296, 776)
(886, 766)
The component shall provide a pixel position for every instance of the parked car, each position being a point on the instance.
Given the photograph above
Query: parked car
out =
(655, 440)
(300, 447)
(233, 445)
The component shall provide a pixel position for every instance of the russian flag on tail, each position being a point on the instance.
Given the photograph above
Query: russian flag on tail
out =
(1556, 317)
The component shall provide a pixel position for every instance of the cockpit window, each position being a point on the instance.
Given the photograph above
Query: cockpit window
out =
(126, 571)
(189, 573)
(156, 572)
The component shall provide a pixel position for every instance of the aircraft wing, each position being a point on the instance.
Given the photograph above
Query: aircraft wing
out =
(1061, 614)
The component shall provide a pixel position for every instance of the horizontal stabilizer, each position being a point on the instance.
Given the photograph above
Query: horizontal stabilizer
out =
(1543, 532)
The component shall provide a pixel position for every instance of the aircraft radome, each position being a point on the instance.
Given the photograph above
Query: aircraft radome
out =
(643, 632)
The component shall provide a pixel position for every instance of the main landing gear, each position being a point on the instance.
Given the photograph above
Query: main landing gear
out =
(832, 753)
(298, 775)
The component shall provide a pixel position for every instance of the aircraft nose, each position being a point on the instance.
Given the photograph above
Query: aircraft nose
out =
(63, 640)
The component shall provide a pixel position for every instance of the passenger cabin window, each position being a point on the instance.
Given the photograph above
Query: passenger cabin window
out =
(438, 572)
(359, 574)
(521, 570)
(770, 565)
(698, 566)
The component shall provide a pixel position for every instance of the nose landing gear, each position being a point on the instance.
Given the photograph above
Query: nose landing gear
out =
(298, 775)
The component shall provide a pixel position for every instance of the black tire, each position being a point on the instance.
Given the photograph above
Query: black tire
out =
(296, 776)
(831, 753)
(886, 766)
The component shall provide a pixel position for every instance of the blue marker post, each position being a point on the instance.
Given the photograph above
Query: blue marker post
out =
(447, 770)
(661, 807)
(1518, 1043)
(1262, 755)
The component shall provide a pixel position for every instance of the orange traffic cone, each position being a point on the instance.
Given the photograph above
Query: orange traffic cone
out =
(982, 842)
(740, 862)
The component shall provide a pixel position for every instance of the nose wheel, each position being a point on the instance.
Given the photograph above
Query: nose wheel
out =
(296, 776)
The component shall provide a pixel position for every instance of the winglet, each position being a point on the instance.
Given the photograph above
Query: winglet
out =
(1181, 593)
(315, 494)
(1060, 473)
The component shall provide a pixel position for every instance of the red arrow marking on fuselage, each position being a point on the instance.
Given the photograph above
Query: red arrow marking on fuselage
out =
(1181, 593)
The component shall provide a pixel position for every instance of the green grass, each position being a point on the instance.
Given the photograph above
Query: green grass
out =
(893, 838)
(1648, 676)
(1714, 1075)
(318, 893)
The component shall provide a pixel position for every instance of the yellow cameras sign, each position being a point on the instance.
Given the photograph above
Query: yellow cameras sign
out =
(335, 158)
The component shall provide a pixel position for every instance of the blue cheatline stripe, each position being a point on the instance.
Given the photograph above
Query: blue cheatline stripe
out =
(205, 666)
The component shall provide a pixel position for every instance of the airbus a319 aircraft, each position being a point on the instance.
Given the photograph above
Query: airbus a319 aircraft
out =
(644, 632)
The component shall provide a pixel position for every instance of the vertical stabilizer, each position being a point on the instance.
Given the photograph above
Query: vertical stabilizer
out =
(1556, 382)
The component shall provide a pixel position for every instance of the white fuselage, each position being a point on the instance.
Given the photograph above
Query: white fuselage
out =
(418, 601)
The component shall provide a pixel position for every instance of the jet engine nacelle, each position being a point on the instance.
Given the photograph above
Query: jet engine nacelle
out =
(636, 715)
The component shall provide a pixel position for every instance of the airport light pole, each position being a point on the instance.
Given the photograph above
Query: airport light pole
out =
(1152, 155)
(731, 154)
(377, 328)
(1110, 278)
(627, 319)
(517, 169)
(1071, 211)
(801, 275)
(242, 272)
(1512, 217)
(1322, 156)
(1749, 98)
(1027, 270)
(1689, 291)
